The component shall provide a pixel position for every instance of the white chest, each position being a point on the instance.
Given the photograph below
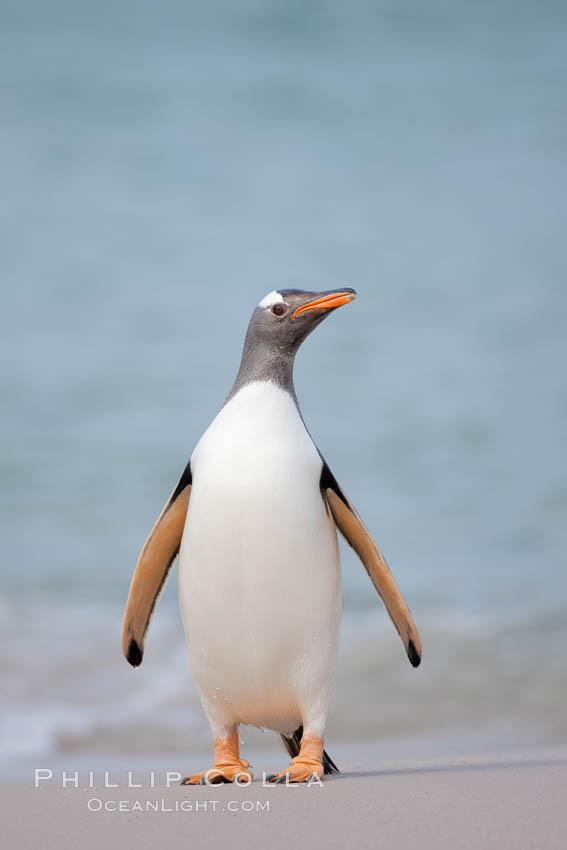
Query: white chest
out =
(259, 563)
(257, 441)
(256, 506)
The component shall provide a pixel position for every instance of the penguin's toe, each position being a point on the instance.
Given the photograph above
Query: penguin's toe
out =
(237, 773)
(300, 771)
(214, 779)
(194, 779)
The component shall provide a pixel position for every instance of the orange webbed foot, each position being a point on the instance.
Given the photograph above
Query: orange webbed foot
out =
(237, 772)
(227, 767)
(305, 767)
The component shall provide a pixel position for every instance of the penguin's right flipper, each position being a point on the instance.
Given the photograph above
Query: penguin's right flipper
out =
(357, 535)
(157, 556)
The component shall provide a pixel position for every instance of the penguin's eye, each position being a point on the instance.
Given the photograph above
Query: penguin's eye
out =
(279, 310)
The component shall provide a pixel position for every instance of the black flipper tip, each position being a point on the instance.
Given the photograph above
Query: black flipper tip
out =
(413, 655)
(135, 654)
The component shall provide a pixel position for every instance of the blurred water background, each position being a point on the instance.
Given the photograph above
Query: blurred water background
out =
(164, 166)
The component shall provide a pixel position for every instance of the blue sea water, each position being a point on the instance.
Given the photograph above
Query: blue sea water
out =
(166, 165)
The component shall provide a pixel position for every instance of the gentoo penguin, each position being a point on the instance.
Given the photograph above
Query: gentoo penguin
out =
(254, 519)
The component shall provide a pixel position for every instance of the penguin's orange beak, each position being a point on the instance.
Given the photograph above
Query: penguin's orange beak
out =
(335, 298)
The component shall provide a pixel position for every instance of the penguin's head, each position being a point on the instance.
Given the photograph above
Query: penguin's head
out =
(284, 318)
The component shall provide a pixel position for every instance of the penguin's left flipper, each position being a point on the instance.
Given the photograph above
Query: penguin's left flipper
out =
(157, 556)
(357, 535)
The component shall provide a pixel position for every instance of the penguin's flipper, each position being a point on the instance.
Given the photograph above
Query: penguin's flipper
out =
(156, 558)
(357, 535)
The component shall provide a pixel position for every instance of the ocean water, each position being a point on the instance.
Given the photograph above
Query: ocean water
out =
(166, 165)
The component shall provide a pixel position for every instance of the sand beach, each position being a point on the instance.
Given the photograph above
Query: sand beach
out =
(492, 799)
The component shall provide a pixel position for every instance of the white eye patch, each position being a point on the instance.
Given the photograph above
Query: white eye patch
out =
(270, 299)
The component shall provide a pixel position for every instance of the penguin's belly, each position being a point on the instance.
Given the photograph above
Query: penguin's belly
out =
(259, 579)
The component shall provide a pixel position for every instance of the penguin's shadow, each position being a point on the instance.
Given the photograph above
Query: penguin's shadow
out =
(450, 768)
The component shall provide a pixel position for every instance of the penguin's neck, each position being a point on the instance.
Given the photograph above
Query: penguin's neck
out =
(264, 363)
